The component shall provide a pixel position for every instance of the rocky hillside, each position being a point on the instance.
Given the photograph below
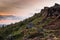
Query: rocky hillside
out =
(41, 26)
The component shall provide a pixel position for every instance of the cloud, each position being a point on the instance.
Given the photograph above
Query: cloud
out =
(8, 5)
(9, 17)
(12, 5)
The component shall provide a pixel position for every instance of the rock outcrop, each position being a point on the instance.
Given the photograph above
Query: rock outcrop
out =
(53, 13)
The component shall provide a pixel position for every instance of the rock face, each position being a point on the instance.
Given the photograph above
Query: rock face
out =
(53, 25)
(54, 13)
(55, 10)
(51, 11)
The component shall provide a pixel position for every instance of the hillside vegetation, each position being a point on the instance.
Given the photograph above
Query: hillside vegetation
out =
(41, 26)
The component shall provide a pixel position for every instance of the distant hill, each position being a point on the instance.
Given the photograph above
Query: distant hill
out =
(44, 25)
(2, 25)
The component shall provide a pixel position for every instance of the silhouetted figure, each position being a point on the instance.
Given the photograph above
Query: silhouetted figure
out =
(30, 25)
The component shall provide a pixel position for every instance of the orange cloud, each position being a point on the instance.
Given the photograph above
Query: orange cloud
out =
(8, 21)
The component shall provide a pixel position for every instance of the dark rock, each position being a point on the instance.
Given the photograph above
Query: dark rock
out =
(46, 8)
(54, 10)
(56, 4)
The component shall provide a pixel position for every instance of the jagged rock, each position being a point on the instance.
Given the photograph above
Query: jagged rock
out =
(53, 12)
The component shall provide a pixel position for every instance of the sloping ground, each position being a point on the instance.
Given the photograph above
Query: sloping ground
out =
(54, 25)
(42, 26)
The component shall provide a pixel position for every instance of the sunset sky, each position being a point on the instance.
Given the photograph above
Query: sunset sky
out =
(12, 11)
